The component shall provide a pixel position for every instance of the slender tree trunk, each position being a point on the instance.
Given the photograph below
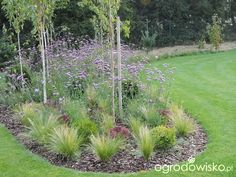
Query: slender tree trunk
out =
(46, 48)
(51, 37)
(102, 47)
(112, 60)
(20, 58)
(47, 34)
(44, 64)
(119, 67)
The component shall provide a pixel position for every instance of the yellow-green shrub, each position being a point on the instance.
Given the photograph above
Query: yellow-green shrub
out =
(163, 137)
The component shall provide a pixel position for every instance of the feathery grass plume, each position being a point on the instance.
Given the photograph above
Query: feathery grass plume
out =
(65, 141)
(104, 147)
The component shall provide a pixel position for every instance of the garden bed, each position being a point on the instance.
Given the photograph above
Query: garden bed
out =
(126, 160)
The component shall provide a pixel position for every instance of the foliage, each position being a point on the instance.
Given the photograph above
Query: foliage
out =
(135, 126)
(77, 88)
(182, 123)
(29, 111)
(145, 142)
(177, 111)
(119, 131)
(17, 12)
(104, 147)
(14, 76)
(150, 115)
(148, 40)
(75, 109)
(92, 98)
(183, 126)
(7, 48)
(41, 127)
(65, 141)
(85, 128)
(130, 89)
(107, 122)
(202, 42)
(215, 32)
(163, 137)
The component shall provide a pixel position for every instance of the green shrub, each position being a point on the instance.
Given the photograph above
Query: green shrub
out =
(41, 127)
(130, 89)
(163, 137)
(85, 128)
(104, 147)
(148, 40)
(145, 142)
(74, 109)
(183, 126)
(65, 141)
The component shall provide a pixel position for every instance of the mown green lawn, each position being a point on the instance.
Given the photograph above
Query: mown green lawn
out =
(206, 86)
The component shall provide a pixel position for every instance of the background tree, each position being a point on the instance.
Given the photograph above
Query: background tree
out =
(214, 32)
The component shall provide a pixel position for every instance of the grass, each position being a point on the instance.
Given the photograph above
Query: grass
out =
(205, 85)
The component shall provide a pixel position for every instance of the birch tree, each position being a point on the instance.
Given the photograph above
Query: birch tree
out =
(41, 14)
(119, 65)
(17, 13)
(106, 10)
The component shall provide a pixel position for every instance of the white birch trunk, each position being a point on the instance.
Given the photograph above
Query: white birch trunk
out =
(46, 58)
(20, 58)
(44, 65)
(112, 60)
(119, 67)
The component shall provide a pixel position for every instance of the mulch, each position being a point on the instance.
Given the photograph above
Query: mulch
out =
(126, 160)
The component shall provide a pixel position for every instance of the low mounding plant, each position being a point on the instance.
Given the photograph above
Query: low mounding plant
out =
(40, 128)
(85, 128)
(29, 111)
(104, 147)
(119, 131)
(163, 137)
(65, 141)
(145, 142)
